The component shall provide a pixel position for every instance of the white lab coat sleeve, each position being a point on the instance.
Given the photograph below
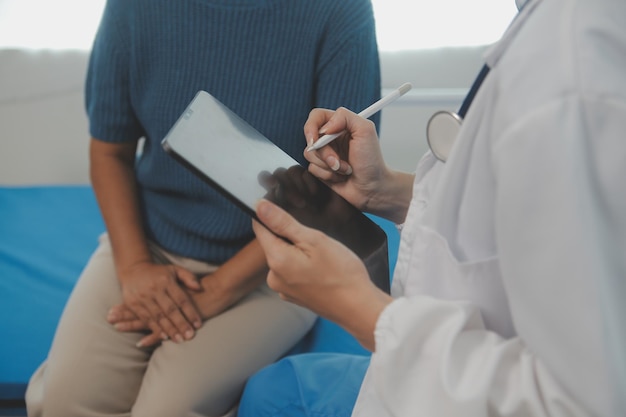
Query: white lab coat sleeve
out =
(561, 233)
(436, 358)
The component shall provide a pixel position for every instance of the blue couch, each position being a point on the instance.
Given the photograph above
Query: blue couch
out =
(47, 234)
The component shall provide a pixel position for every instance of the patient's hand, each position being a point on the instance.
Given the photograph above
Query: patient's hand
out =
(213, 299)
(124, 320)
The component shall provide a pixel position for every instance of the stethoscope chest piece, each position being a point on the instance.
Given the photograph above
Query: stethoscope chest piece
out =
(441, 133)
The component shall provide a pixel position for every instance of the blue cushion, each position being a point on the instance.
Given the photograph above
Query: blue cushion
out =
(46, 236)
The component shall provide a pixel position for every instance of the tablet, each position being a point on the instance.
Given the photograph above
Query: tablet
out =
(242, 164)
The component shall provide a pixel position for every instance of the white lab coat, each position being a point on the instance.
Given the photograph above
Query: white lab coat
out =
(510, 280)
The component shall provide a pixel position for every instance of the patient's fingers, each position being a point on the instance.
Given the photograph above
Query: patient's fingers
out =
(130, 326)
(120, 313)
(149, 340)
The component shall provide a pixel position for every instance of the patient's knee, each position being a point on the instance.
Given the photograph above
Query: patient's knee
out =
(63, 391)
(185, 403)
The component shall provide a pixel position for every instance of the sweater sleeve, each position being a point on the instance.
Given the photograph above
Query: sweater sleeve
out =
(107, 86)
(348, 69)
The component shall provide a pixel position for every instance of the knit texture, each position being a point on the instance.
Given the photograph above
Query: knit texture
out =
(269, 61)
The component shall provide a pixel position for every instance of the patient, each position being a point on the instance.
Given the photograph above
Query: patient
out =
(172, 314)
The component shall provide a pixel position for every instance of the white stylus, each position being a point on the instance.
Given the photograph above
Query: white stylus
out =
(368, 112)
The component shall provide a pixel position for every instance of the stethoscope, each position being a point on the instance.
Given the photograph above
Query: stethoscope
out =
(443, 127)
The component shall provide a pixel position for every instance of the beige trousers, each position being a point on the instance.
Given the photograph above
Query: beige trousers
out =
(94, 370)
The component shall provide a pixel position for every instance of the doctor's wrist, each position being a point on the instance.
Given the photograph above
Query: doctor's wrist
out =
(356, 309)
(392, 197)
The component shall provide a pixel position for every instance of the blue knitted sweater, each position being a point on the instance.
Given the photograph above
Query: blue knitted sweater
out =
(270, 61)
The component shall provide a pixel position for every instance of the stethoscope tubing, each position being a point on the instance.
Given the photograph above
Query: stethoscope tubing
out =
(443, 126)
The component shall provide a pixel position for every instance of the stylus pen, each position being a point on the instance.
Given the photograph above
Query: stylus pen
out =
(368, 112)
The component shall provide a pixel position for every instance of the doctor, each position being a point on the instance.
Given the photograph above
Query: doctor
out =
(508, 294)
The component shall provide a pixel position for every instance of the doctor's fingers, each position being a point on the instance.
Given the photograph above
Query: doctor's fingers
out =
(323, 122)
(292, 252)
(278, 283)
(342, 120)
(328, 175)
(281, 224)
(317, 119)
(331, 158)
(285, 261)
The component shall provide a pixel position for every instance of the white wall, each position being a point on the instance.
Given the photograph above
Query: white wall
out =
(43, 127)
(440, 79)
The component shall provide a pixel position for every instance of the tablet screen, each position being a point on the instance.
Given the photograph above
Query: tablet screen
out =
(248, 167)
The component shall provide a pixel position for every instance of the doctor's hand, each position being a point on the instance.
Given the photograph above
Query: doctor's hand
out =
(319, 273)
(352, 164)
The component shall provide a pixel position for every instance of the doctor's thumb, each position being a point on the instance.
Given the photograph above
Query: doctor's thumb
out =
(276, 219)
